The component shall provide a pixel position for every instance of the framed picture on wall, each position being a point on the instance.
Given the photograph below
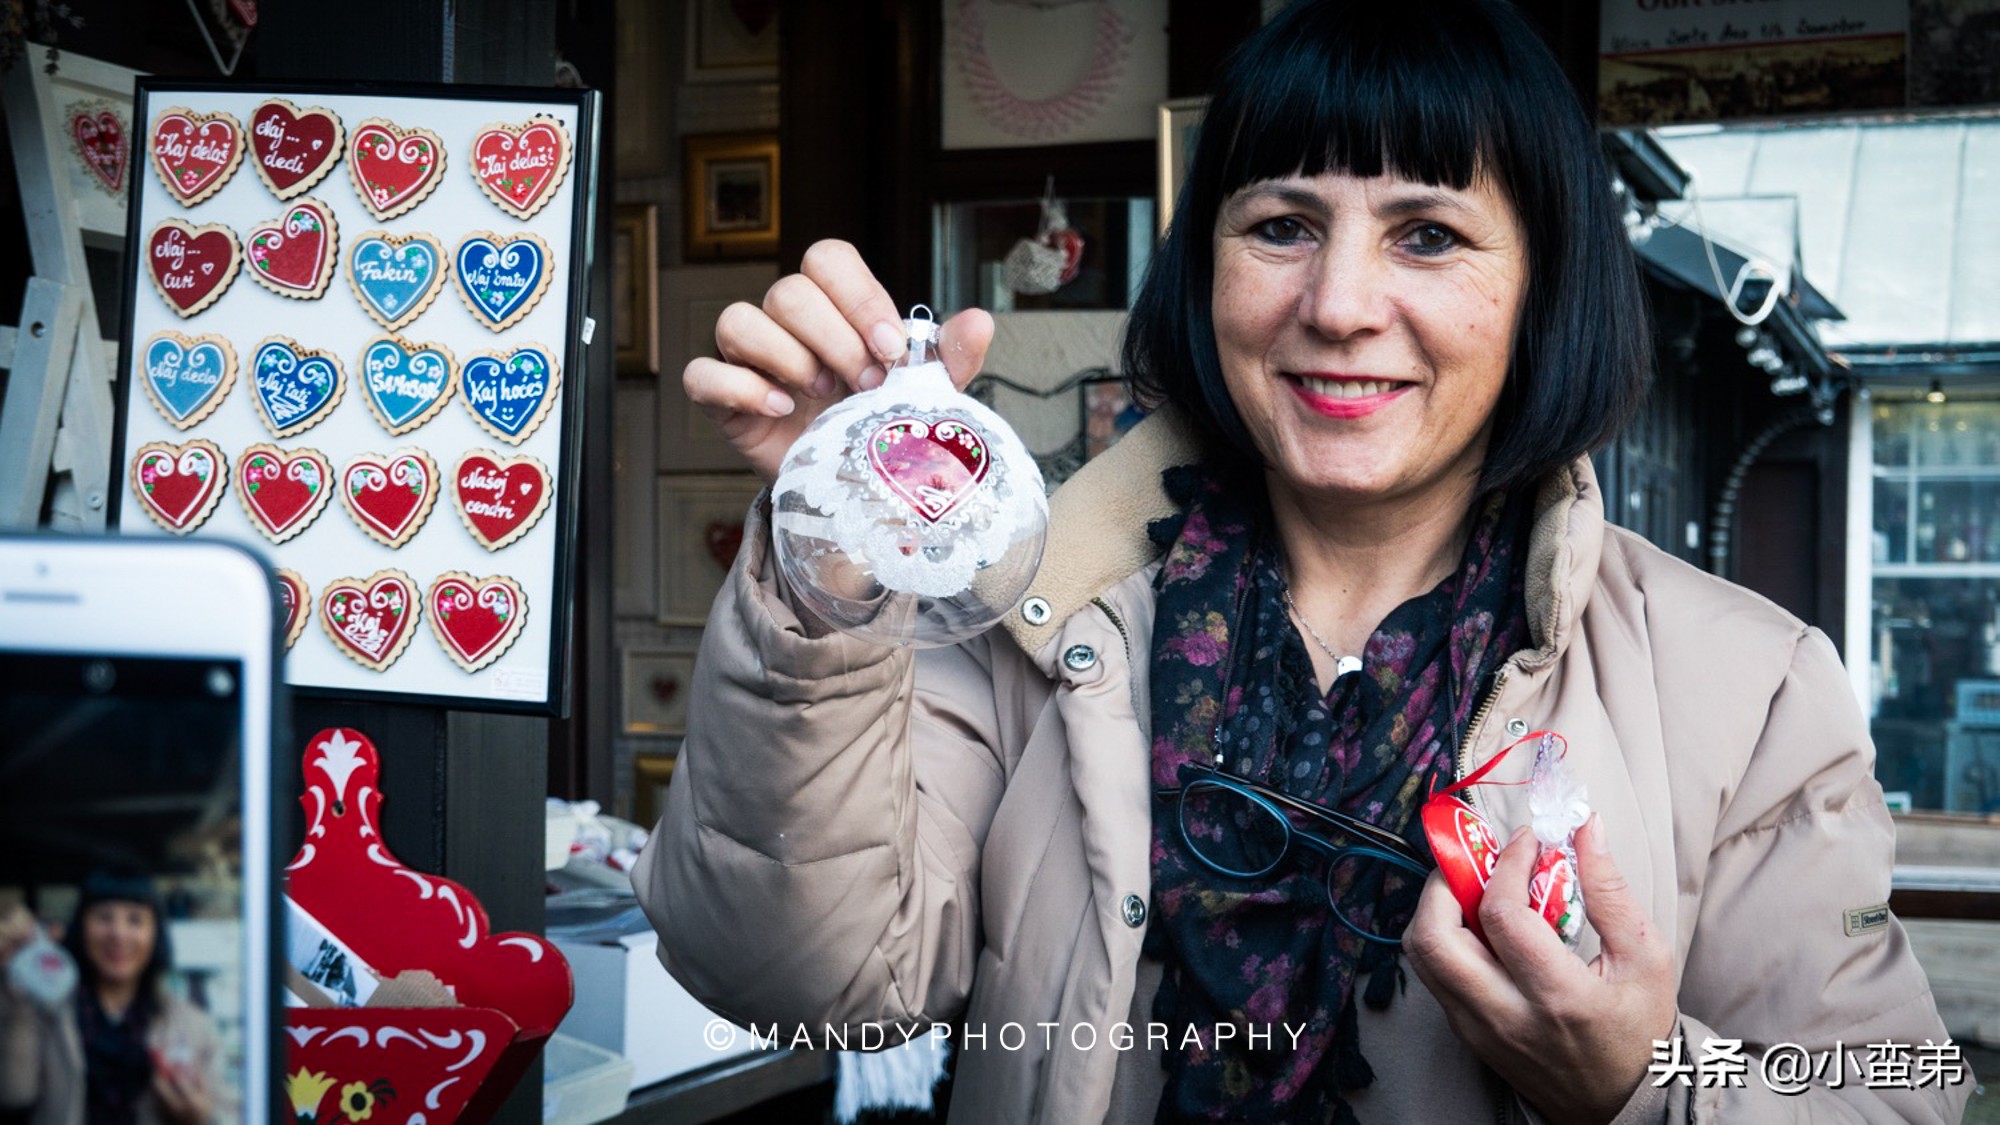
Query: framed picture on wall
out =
(730, 195)
(701, 526)
(731, 42)
(635, 272)
(656, 684)
(1180, 124)
(691, 299)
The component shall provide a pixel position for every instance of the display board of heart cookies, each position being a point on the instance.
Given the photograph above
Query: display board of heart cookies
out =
(353, 322)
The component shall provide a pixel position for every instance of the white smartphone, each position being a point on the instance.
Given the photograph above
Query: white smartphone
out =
(139, 702)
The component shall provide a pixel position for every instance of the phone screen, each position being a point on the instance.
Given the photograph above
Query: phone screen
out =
(121, 838)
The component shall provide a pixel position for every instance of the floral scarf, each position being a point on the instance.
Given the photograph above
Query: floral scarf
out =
(1264, 952)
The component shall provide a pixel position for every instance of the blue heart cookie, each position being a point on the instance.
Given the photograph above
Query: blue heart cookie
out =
(501, 278)
(187, 377)
(405, 384)
(394, 281)
(510, 394)
(296, 387)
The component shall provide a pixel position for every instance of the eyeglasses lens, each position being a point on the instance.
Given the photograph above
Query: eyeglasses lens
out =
(1231, 830)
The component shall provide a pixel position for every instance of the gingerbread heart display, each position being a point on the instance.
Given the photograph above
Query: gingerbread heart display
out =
(519, 166)
(187, 377)
(282, 492)
(475, 619)
(292, 148)
(406, 383)
(395, 276)
(498, 497)
(501, 277)
(297, 387)
(929, 466)
(393, 168)
(97, 132)
(293, 255)
(295, 599)
(390, 497)
(191, 266)
(194, 153)
(178, 485)
(370, 618)
(511, 392)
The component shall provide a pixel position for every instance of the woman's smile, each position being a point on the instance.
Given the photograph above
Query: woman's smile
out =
(1346, 396)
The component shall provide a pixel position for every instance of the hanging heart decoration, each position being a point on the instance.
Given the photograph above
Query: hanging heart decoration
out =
(369, 618)
(390, 497)
(187, 377)
(406, 383)
(511, 392)
(293, 148)
(295, 599)
(194, 153)
(501, 277)
(519, 166)
(930, 466)
(178, 485)
(476, 619)
(393, 168)
(293, 255)
(282, 492)
(297, 387)
(191, 266)
(395, 276)
(98, 133)
(498, 497)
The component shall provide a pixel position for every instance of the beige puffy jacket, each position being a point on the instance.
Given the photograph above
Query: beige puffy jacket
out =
(858, 834)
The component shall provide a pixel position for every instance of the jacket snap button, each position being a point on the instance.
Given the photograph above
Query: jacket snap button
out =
(1517, 727)
(1135, 911)
(1079, 658)
(1035, 611)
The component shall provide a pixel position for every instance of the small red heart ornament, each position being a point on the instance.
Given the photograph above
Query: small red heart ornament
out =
(519, 166)
(390, 497)
(475, 619)
(723, 537)
(282, 492)
(369, 618)
(931, 466)
(178, 485)
(191, 266)
(393, 168)
(194, 153)
(293, 255)
(293, 148)
(499, 498)
(99, 136)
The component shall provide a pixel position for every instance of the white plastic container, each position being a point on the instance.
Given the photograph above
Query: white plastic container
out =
(582, 1083)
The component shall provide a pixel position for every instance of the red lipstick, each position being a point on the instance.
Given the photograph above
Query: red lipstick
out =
(1330, 406)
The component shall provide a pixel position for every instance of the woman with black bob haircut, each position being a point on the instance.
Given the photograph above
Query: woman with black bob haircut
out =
(1165, 824)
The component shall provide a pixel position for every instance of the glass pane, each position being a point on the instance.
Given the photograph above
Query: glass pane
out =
(994, 255)
(1892, 434)
(1892, 521)
(1935, 672)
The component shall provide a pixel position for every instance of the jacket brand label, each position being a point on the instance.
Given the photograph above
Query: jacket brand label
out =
(1867, 919)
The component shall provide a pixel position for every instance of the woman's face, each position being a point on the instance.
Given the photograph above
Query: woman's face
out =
(1364, 328)
(118, 937)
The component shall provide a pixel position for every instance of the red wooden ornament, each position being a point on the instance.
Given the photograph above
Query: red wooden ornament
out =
(445, 1064)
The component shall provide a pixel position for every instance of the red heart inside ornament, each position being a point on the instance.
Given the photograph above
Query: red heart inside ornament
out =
(389, 495)
(292, 147)
(498, 501)
(472, 620)
(100, 138)
(932, 467)
(192, 157)
(393, 168)
(189, 268)
(293, 251)
(281, 491)
(519, 167)
(369, 619)
(178, 487)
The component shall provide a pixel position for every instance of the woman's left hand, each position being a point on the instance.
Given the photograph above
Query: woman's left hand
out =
(1573, 1039)
(182, 1096)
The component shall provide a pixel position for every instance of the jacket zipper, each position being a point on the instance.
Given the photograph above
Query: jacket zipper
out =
(1116, 622)
(1472, 735)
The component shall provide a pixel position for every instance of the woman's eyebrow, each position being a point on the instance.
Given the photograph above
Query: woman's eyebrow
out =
(1417, 203)
(1290, 195)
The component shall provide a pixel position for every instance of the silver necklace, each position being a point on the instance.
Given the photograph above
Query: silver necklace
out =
(1342, 665)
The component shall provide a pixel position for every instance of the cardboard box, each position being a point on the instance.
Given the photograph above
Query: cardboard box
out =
(626, 1002)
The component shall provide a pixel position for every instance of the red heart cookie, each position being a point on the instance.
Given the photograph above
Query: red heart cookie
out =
(519, 166)
(178, 485)
(191, 266)
(194, 153)
(98, 133)
(930, 466)
(499, 498)
(293, 148)
(369, 618)
(293, 255)
(390, 497)
(295, 598)
(393, 168)
(282, 492)
(475, 619)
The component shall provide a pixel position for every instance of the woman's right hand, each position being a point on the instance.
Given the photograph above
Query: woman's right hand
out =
(822, 334)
